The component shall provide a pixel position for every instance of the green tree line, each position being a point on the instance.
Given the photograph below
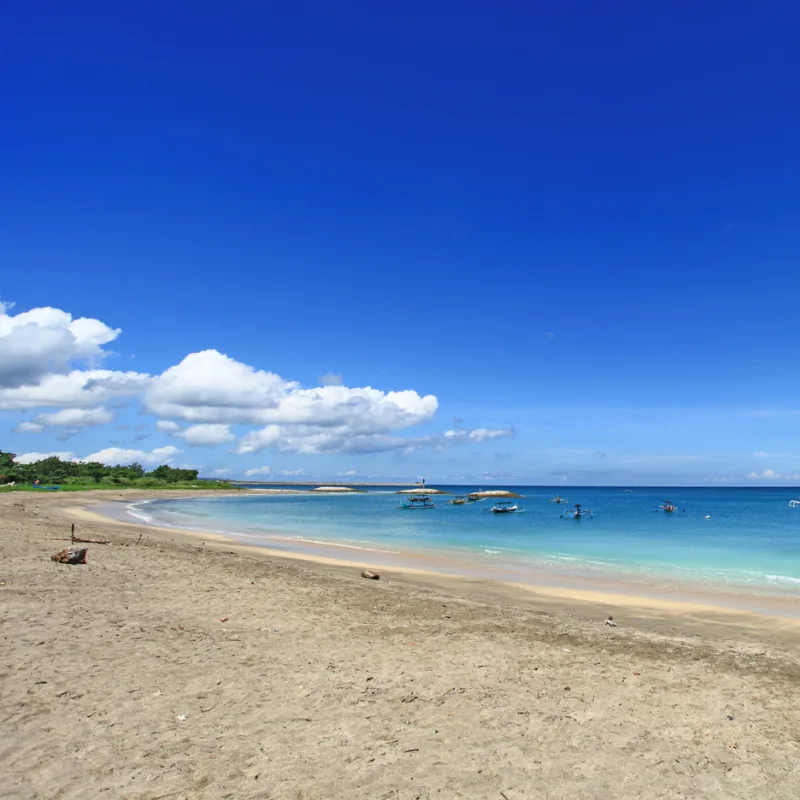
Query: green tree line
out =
(93, 474)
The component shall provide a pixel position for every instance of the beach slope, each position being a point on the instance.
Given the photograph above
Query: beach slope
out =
(177, 667)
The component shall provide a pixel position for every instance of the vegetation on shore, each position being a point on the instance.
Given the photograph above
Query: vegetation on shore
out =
(75, 476)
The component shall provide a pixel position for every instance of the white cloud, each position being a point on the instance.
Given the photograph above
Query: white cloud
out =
(76, 417)
(29, 427)
(308, 440)
(349, 474)
(211, 387)
(478, 435)
(258, 471)
(30, 458)
(222, 471)
(206, 435)
(550, 335)
(250, 473)
(771, 475)
(118, 455)
(167, 427)
(208, 390)
(43, 341)
(76, 389)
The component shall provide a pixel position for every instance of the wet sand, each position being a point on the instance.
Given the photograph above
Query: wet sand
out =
(185, 666)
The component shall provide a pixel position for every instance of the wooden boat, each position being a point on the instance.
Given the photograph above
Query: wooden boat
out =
(418, 501)
(559, 499)
(460, 500)
(577, 512)
(668, 507)
(504, 507)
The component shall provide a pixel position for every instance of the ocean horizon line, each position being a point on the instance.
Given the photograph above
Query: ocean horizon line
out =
(553, 486)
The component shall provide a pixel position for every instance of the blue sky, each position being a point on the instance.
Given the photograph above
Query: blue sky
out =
(576, 225)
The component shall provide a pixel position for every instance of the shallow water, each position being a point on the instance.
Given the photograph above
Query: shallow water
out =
(751, 539)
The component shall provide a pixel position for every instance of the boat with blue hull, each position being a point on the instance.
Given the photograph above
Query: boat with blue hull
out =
(418, 501)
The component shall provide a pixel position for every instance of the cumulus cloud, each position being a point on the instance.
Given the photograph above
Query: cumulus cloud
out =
(211, 387)
(771, 475)
(32, 458)
(258, 471)
(166, 426)
(48, 360)
(292, 473)
(117, 455)
(42, 341)
(224, 471)
(29, 427)
(76, 417)
(309, 440)
(206, 435)
(306, 440)
(478, 435)
(76, 389)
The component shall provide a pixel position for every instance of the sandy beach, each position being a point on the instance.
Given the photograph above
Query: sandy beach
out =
(185, 666)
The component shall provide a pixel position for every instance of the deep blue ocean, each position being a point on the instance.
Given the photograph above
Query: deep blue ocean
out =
(737, 537)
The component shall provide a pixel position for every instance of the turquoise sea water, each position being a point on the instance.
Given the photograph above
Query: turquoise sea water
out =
(751, 540)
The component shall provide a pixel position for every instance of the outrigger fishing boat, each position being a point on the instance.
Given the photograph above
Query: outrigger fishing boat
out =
(577, 513)
(668, 506)
(559, 499)
(460, 500)
(794, 504)
(504, 507)
(418, 501)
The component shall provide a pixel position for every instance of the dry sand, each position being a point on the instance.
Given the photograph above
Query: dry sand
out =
(184, 667)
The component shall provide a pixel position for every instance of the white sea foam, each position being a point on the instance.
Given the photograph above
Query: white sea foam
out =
(333, 544)
(132, 509)
(782, 579)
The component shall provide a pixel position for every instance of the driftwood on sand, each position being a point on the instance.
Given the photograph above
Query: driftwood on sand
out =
(74, 538)
(373, 576)
(70, 555)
